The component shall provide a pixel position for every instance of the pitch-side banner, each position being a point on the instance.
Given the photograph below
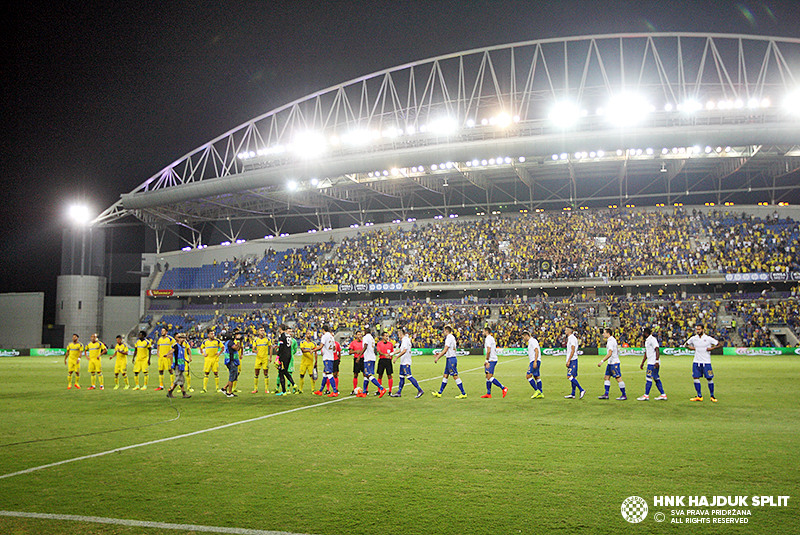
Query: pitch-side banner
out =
(502, 351)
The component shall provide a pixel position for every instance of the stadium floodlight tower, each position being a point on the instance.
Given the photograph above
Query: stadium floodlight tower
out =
(80, 288)
(590, 120)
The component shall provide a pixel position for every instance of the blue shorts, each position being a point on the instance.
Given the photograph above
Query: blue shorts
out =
(327, 367)
(490, 368)
(612, 370)
(652, 372)
(405, 370)
(702, 370)
(451, 366)
(573, 369)
(535, 370)
(369, 367)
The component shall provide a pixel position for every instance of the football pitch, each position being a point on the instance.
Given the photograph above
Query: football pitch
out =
(309, 465)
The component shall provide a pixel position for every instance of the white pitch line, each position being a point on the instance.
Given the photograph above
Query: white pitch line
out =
(193, 433)
(144, 524)
(185, 435)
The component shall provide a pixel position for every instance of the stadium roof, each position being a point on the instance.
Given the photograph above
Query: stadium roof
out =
(592, 120)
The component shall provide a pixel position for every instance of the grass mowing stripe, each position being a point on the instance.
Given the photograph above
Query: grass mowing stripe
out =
(144, 524)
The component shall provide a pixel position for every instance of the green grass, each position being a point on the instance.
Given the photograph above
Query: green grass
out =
(386, 466)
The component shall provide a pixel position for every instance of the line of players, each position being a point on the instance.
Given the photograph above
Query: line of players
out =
(174, 355)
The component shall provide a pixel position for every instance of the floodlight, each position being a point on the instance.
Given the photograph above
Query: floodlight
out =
(309, 144)
(79, 214)
(291, 185)
(443, 126)
(627, 109)
(564, 114)
(691, 106)
(503, 120)
(792, 102)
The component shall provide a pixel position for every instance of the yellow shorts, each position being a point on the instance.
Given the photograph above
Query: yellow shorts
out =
(121, 366)
(95, 365)
(141, 365)
(262, 363)
(306, 366)
(73, 365)
(163, 364)
(211, 364)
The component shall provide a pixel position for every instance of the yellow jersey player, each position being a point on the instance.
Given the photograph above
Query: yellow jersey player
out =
(72, 360)
(210, 350)
(164, 345)
(141, 360)
(94, 350)
(121, 365)
(309, 360)
(263, 349)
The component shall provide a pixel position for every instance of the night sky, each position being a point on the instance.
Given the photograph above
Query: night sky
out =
(97, 98)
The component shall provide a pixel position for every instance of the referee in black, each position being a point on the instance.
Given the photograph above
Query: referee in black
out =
(284, 357)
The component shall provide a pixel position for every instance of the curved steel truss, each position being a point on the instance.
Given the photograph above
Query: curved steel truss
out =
(480, 129)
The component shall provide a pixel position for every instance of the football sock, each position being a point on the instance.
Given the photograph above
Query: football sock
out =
(100, 375)
(302, 382)
(711, 388)
(489, 386)
(697, 387)
(532, 381)
(460, 386)
(116, 380)
(93, 380)
(205, 382)
(539, 384)
(188, 376)
(647, 386)
(366, 385)
(321, 386)
(607, 384)
(622, 388)
(497, 383)
(660, 386)
(161, 380)
(444, 384)
(216, 381)
(69, 379)
(376, 383)
(400, 386)
(414, 382)
(355, 383)
(391, 380)
(172, 378)
(146, 378)
(575, 384)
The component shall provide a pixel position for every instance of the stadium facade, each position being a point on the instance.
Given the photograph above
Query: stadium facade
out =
(608, 121)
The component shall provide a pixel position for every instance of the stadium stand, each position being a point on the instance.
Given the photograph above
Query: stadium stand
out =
(601, 244)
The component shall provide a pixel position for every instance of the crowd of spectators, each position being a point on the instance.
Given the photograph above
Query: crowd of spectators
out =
(601, 244)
